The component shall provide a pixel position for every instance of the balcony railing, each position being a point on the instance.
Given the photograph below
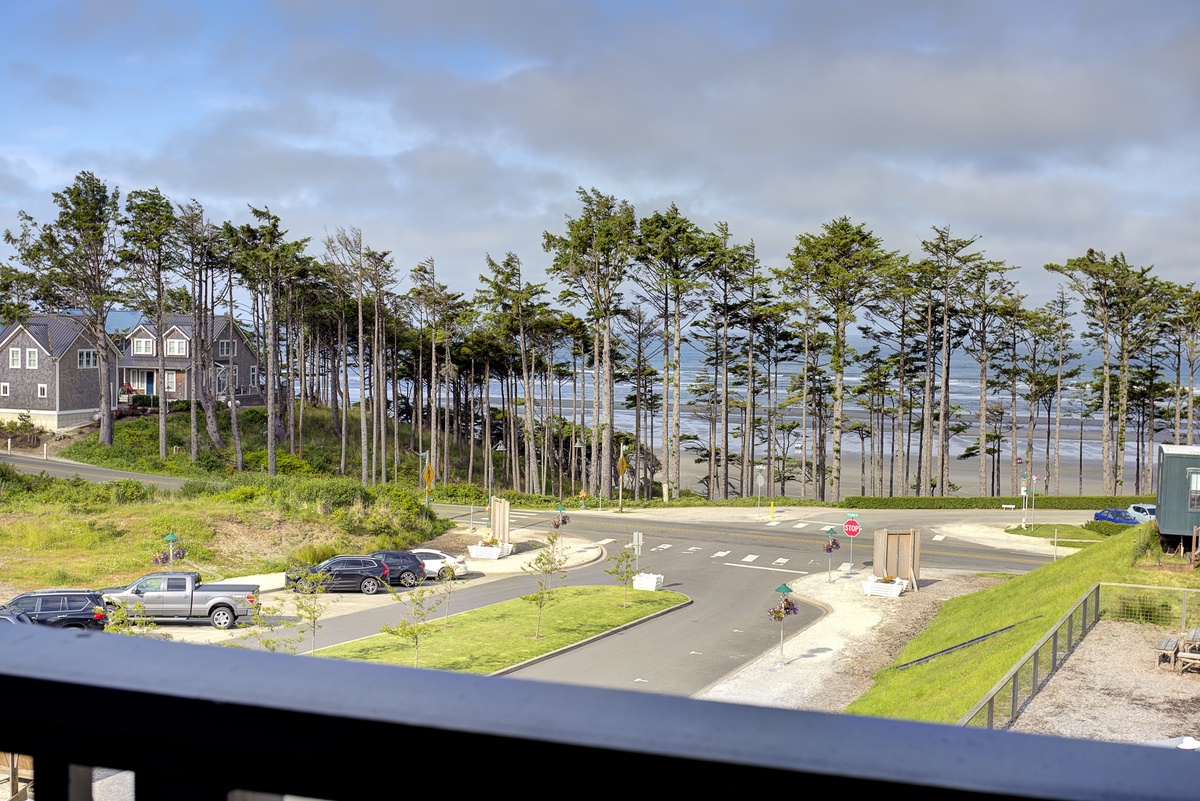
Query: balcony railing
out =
(203, 722)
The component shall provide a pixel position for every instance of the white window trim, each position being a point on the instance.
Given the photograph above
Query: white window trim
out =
(3, 390)
(43, 391)
(87, 359)
(227, 348)
(177, 347)
(169, 381)
(143, 346)
(14, 358)
(31, 358)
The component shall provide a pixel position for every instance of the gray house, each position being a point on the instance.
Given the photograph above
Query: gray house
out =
(50, 370)
(1178, 489)
(232, 361)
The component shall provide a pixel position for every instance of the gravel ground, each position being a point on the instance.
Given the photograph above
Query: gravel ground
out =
(1111, 689)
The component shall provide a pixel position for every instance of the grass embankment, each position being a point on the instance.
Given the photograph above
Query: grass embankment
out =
(498, 636)
(1072, 536)
(944, 689)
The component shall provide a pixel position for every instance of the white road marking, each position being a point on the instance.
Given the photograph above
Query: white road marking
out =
(764, 567)
(750, 557)
(939, 537)
(800, 525)
(662, 547)
(845, 566)
(720, 554)
(605, 542)
(780, 562)
(645, 681)
(774, 523)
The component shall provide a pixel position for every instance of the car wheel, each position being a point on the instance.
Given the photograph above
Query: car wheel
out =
(222, 618)
(408, 578)
(369, 586)
(445, 574)
(111, 609)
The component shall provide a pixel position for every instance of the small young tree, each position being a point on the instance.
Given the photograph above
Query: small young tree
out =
(421, 604)
(268, 629)
(132, 620)
(546, 570)
(623, 570)
(311, 602)
(447, 589)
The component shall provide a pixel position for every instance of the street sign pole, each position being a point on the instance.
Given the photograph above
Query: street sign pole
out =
(851, 528)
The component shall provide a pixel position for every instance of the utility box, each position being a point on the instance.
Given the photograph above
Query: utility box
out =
(1178, 483)
(898, 554)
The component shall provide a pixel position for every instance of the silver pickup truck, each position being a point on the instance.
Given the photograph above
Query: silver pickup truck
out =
(182, 596)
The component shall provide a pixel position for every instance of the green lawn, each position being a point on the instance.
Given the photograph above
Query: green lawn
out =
(944, 689)
(498, 636)
(1080, 536)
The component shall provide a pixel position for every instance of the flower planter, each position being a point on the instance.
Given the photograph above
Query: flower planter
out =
(648, 581)
(893, 589)
(489, 551)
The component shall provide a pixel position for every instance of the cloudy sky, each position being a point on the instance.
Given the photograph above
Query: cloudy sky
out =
(456, 129)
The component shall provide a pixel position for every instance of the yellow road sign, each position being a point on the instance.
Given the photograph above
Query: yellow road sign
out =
(428, 475)
(622, 465)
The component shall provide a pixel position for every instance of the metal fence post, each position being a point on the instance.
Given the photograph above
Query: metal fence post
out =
(1035, 670)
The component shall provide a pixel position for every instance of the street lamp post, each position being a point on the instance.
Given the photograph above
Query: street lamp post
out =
(759, 480)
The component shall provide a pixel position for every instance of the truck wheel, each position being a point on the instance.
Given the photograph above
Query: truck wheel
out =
(369, 586)
(408, 578)
(222, 617)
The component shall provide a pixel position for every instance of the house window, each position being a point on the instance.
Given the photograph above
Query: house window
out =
(177, 347)
(169, 381)
(31, 358)
(254, 378)
(42, 390)
(227, 347)
(235, 376)
(88, 359)
(14, 358)
(3, 390)
(143, 347)
(1193, 490)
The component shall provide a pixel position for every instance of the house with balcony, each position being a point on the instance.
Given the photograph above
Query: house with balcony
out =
(229, 359)
(50, 370)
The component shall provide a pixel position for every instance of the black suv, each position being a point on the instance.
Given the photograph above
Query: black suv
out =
(342, 573)
(63, 609)
(404, 568)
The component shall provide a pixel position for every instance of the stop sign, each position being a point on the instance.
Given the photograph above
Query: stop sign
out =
(851, 528)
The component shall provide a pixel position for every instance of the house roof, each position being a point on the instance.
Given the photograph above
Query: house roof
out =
(54, 333)
(181, 322)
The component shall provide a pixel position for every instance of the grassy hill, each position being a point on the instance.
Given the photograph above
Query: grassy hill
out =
(944, 689)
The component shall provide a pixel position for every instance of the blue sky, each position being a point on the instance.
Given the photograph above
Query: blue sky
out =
(458, 129)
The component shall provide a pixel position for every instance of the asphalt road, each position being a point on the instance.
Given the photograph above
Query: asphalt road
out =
(61, 468)
(731, 571)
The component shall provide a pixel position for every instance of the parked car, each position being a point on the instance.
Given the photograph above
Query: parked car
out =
(366, 574)
(406, 568)
(17, 617)
(441, 564)
(172, 597)
(64, 609)
(1143, 512)
(1116, 516)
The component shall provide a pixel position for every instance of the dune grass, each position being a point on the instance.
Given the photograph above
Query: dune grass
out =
(944, 689)
(499, 636)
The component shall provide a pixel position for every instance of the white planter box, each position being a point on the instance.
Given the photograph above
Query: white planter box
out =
(489, 551)
(873, 587)
(648, 581)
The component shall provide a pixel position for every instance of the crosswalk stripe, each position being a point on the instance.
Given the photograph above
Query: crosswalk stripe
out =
(800, 525)
(774, 523)
(780, 561)
(750, 557)
(720, 554)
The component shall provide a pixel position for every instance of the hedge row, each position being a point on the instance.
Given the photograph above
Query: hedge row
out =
(1040, 502)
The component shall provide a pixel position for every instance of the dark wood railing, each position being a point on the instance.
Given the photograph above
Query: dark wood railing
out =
(204, 722)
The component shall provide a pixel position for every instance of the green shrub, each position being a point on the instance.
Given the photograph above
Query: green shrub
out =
(127, 490)
(144, 400)
(1104, 528)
